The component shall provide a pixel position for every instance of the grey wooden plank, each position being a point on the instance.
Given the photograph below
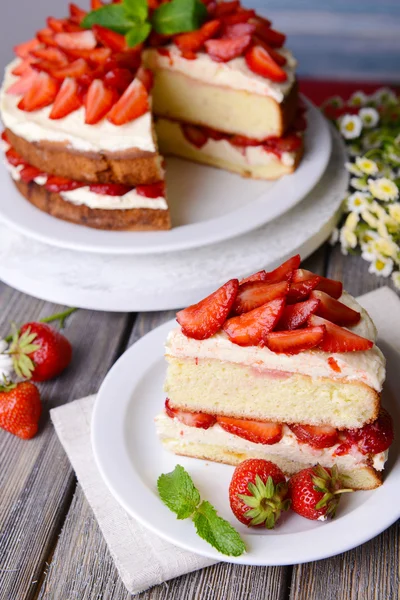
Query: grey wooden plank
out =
(36, 480)
(370, 571)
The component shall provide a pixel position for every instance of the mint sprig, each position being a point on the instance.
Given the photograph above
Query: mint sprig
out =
(178, 492)
(132, 19)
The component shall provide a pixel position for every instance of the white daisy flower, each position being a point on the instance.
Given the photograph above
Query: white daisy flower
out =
(359, 183)
(370, 219)
(367, 236)
(6, 364)
(396, 279)
(383, 188)
(387, 247)
(381, 266)
(334, 237)
(350, 126)
(353, 169)
(357, 99)
(358, 202)
(369, 117)
(382, 229)
(384, 95)
(348, 239)
(366, 165)
(352, 221)
(378, 210)
(394, 211)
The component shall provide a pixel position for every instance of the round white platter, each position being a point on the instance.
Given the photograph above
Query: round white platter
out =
(170, 280)
(130, 458)
(207, 205)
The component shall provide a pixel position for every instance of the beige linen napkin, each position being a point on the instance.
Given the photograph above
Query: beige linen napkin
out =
(142, 558)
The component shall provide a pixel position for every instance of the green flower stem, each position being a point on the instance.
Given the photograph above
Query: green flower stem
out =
(61, 317)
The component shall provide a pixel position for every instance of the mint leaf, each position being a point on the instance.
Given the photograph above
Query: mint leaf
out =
(179, 16)
(177, 491)
(112, 16)
(137, 10)
(216, 531)
(137, 34)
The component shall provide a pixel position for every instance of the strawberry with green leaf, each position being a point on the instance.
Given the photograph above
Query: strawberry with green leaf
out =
(20, 408)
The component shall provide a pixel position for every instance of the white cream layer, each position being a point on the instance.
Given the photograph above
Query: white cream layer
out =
(288, 447)
(83, 196)
(367, 367)
(233, 74)
(72, 129)
(224, 150)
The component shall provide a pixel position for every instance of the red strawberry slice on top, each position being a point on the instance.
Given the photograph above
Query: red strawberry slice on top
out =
(23, 50)
(67, 99)
(76, 40)
(42, 92)
(338, 339)
(335, 311)
(99, 101)
(254, 431)
(223, 50)
(329, 286)
(108, 38)
(281, 273)
(191, 419)
(322, 436)
(194, 40)
(252, 328)
(293, 342)
(296, 315)
(261, 62)
(200, 321)
(255, 293)
(301, 290)
(133, 103)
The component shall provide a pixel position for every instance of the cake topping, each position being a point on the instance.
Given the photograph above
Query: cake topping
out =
(289, 310)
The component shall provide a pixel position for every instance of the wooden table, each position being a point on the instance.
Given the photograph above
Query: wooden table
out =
(51, 547)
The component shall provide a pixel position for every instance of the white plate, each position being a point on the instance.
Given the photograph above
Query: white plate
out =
(130, 458)
(207, 205)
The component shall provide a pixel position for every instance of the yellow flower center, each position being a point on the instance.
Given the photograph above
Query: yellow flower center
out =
(380, 265)
(350, 126)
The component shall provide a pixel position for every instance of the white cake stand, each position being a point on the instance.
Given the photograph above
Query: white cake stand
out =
(171, 280)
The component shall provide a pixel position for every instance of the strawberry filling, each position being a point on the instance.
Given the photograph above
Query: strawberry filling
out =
(61, 184)
(371, 439)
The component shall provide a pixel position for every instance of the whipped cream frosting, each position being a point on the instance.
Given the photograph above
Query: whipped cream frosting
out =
(288, 447)
(234, 74)
(224, 150)
(367, 367)
(84, 196)
(72, 129)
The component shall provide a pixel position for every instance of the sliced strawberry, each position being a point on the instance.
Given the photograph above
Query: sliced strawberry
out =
(52, 55)
(276, 56)
(74, 70)
(242, 141)
(24, 83)
(335, 311)
(288, 143)
(108, 38)
(99, 101)
(110, 189)
(252, 328)
(151, 190)
(238, 30)
(295, 341)
(23, 66)
(284, 271)
(223, 50)
(14, 158)
(118, 79)
(338, 339)
(76, 14)
(254, 431)
(61, 184)
(4, 137)
(42, 92)
(200, 321)
(214, 134)
(67, 100)
(227, 8)
(96, 4)
(28, 173)
(76, 40)
(329, 286)
(268, 35)
(296, 315)
(372, 438)
(47, 37)
(194, 40)
(301, 290)
(98, 56)
(259, 276)
(129, 59)
(56, 25)
(256, 293)
(191, 419)
(242, 16)
(322, 436)
(194, 135)
(23, 50)
(146, 77)
(133, 103)
(259, 61)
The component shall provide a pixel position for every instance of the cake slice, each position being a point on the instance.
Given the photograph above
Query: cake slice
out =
(282, 366)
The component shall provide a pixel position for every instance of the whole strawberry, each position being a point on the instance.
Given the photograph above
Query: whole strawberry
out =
(20, 409)
(315, 492)
(258, 493)
(40, 352)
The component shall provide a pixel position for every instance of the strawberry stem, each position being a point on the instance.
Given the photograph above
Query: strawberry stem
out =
(61, 317)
